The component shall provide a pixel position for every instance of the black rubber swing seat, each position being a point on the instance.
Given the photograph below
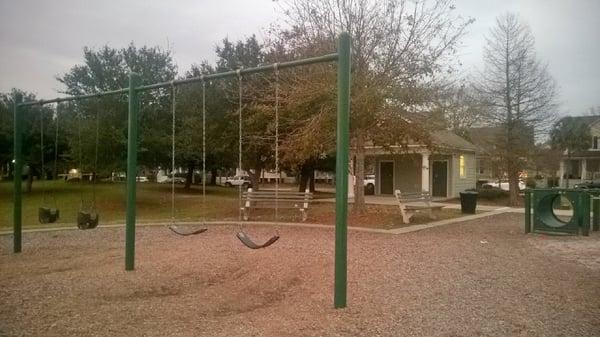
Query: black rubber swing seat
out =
(250, 244)
(87, 220)
(178, 232)
(48, 215)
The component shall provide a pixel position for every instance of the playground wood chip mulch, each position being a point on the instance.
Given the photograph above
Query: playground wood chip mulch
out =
(477, 278)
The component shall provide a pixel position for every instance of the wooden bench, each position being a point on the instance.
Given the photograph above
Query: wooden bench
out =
(281, 199)
(413, 202)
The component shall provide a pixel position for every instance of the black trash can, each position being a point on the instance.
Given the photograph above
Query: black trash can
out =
(468, 202)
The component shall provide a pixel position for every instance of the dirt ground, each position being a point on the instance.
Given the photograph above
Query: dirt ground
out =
(477, 278)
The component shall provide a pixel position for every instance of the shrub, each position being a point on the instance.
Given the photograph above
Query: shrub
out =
(492, 193)
(530, 182)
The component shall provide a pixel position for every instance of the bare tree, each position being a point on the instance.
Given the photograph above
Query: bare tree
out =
(457, 107)
(399, 47)
(519, 91)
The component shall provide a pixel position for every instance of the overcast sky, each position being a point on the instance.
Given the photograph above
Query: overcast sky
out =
(42, 39)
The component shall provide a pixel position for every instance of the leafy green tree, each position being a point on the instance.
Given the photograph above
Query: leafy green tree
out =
(220, 152)
(31, 136)
(108, 69)
(257, 104)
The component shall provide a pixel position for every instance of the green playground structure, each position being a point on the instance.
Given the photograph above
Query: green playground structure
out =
(540, 215)
(343, 59)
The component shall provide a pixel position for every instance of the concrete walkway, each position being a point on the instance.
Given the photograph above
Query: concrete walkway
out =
(391, 201)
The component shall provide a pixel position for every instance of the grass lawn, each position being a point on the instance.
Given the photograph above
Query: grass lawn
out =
(154, 204)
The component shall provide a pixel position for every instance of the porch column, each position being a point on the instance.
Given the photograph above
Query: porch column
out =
(425, 172)
(561, 174)
(583, 169)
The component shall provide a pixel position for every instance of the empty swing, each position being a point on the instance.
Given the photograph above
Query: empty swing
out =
(241, 235)
(173, 227)
(87, 217)
(47, 214)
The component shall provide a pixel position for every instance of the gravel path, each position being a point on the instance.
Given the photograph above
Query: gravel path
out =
(477, 278)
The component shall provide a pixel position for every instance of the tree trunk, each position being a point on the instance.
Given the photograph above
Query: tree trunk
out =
(255, 178)
(29, 181)
(304, 177)
(213, 177)
(189, 175)
(359, 171)
(311, 184)
(513, 184)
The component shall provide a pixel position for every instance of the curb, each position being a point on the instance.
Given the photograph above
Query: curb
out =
(396, 231)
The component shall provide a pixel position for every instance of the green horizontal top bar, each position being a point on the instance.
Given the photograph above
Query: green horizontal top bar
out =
(73, 98)
(270, 67)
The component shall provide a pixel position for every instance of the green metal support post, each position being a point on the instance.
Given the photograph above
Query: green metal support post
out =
(584, 203)
(341, 174)
(527, 211)
(132, 140)
(17, 176)
(595, 213)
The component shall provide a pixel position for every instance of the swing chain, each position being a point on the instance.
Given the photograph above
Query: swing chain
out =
(240, 139)
(55, 169)
(173, 103)
(95, 173)
(42, 177)
(277, 173)
(203, 149)
(80, 160)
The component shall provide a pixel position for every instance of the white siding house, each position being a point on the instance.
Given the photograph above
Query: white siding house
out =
(445, 170)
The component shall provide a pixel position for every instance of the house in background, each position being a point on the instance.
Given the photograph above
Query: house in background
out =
(583, 166)
(490, 166)
(487, 160)
(444, 171)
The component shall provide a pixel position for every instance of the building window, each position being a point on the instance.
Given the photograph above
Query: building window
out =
(462, 171)
(595, 143)
(479, 165)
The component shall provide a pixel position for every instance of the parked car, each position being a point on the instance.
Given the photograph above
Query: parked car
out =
(169, 179)
(118, 176)
(369, 184)
(238, 180)
(122, 176)
(503, 185)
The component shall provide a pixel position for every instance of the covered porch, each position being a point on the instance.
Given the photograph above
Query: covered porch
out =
(413, 172)
(444, 175)
(578, 170)
(443, 169)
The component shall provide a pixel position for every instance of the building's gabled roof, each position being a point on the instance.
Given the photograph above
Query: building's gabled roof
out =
(587, 120)
(440, 140)
(485, 138)
(448, 139)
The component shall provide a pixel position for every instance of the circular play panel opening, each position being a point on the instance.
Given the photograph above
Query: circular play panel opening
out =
(555, 211)
(562, 208)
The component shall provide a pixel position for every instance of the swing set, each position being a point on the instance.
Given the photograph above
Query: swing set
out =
(88, 217)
